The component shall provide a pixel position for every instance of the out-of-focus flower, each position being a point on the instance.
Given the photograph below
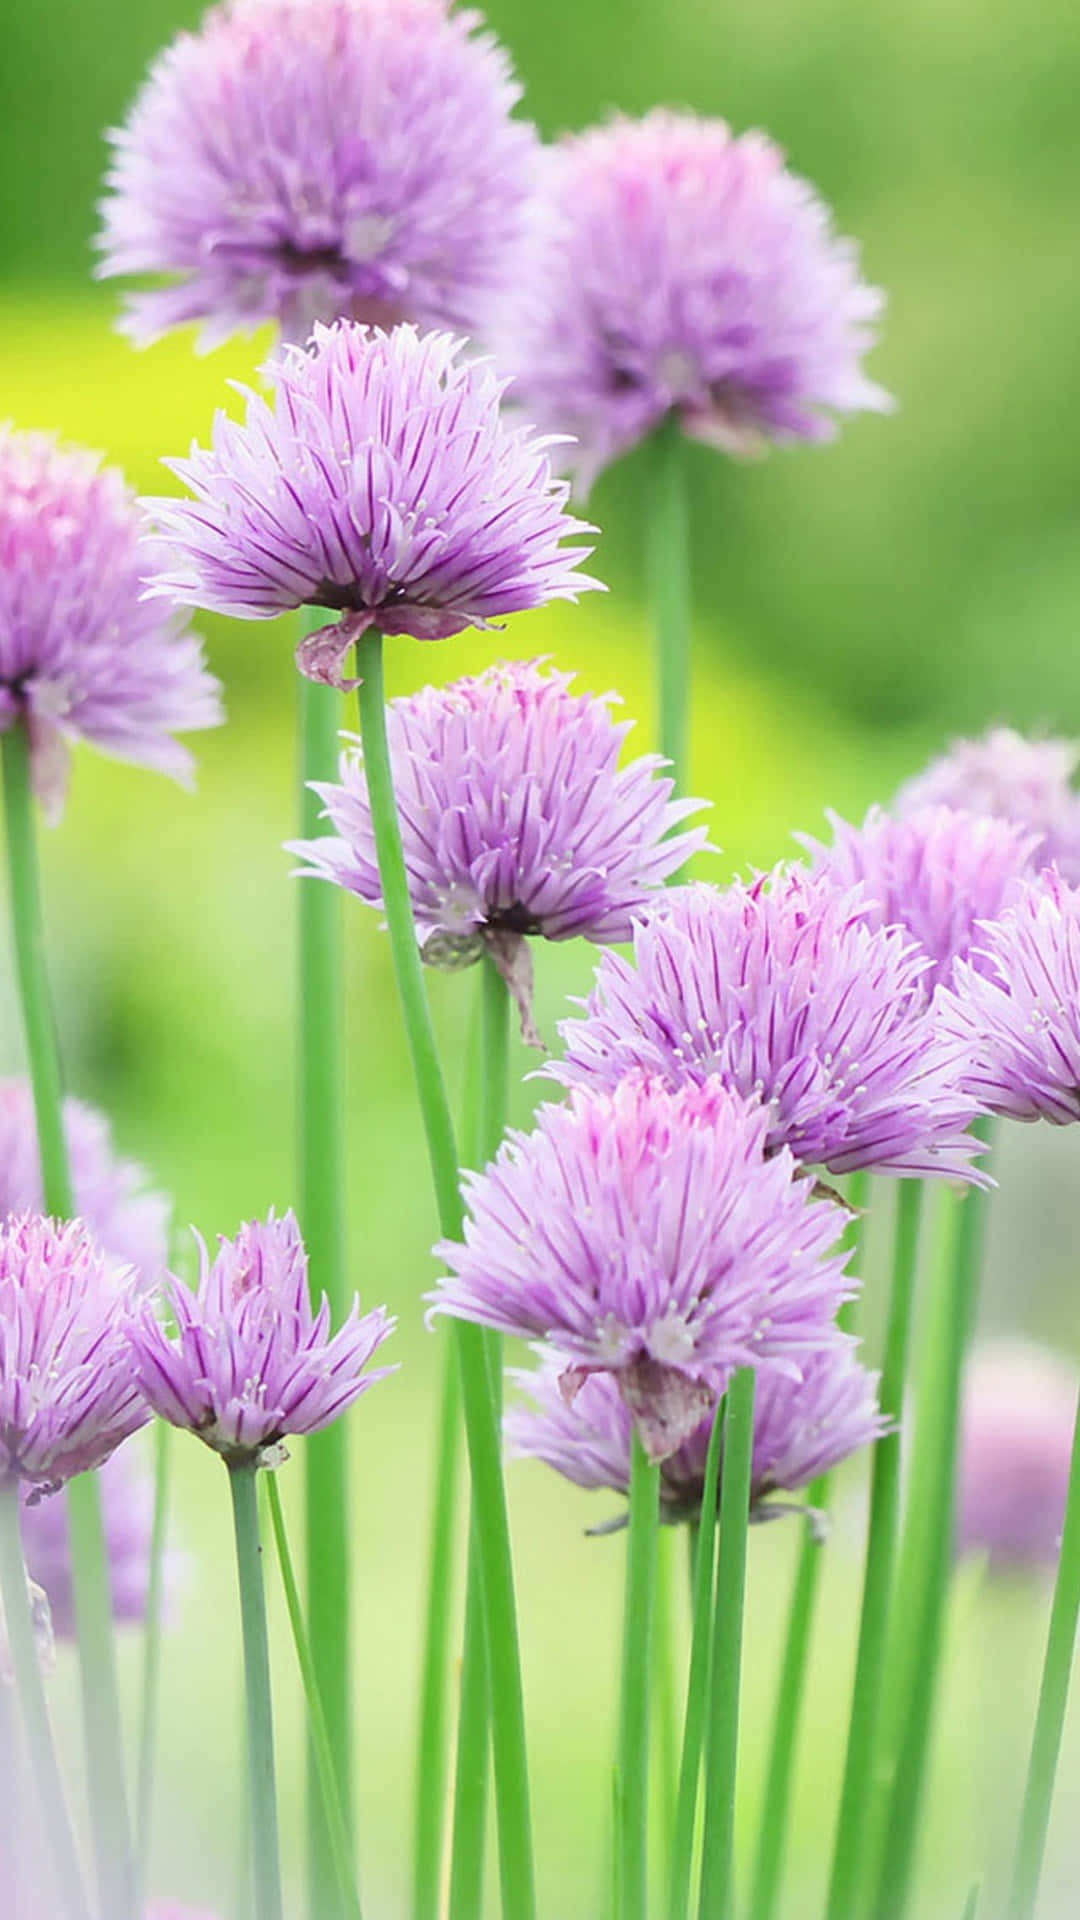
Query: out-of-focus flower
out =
(297, 160)
(172, 1910)
(127, 1502)
(1026, 781)
(1019, 1412)
(84, 655)
(251, 1363)
(68, 1395)
(384, 484)
(645, 1234)
(1015, 1011)
(936, 872)
(786, 991)
(516, 820)
(803, 1427)
(130, 1223)
(677, 269)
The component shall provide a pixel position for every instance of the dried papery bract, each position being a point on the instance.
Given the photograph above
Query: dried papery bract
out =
(1027, 781)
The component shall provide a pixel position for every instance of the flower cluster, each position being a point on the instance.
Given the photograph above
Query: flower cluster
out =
(1029, 782)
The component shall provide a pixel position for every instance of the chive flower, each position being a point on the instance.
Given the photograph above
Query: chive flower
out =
(382, 483)
(84, 655)
(516, 819)
(127, 1506)
(679, 270)
(251, 1363)
(1029, 782)
(1019, 1412)
(299, 160)
(645, 1235)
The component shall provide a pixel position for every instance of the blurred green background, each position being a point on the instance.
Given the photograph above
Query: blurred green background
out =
(855, 604)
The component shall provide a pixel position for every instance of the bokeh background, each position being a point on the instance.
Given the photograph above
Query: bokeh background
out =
(855, 605)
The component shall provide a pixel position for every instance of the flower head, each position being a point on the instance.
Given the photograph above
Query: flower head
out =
(251, 1363)
(172, 1910)
(804, 1425)
(296, 160)
(785, 990)
(1026, 781)
(516, 819)
(67, 1394)
(129, 1222)
(83, 654)
(645, 1234)
(1020, 1405)
(383, 483)
(127, 1501)
(1015, 1010)
(935, 872)
(680, 270)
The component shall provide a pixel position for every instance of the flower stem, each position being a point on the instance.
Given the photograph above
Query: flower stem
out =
(481, 1417)
(432, 1746)
(336, 1824)
(266, 1868)
(322, 1180)
(668, 524)
(93, 1600)
(718, 1856)
(1053, 1699)
(35, 1712)
(151, 1684)
(697, 1686)
(856, 1793)
(632, 1798)
(665, 1634)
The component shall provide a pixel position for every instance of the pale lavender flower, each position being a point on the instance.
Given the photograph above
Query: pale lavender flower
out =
(130, 1223)
(936, 872)
(1019, 1412)
(297, 160)
(785, 990)
(84, 655)
(803, 1426)
(1015, 1011)
(1027, 781)
(172, 1910)
(516, 820)
(384, 484)
(68, 1395)
(645, 1234)
(251, 1363)
(127, 1504)
(677, 269)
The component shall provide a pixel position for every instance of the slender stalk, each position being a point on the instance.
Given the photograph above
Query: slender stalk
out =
(321, 1189)
(266, 1867)
(431, 1769)
(35, 1712)
(850, 1844)
(333, 1812)
(971, 1904)
(1053, 1699)
(151, 1683)
(665, 1635)
(668, 554)
(718, 1856)
(12, 1809)
(631, 1846)
(481, 1418)
(697, 1687)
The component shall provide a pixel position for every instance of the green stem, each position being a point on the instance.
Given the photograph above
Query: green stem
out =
(856, 1794)
(318, 1733)
(665, 1635)
(321, 1190)
(697, 1686)
(432, 1746)
(12, 1809)
(718, 1856)
(1053, 1699)
(265, 1854)
(151, 1682)
(35, 1712)
(632, 1859)
(668, 525)
(481, 1417)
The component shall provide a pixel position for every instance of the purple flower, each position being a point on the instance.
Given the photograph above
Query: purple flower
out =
(645, 1234)
(516, 820)
(251, 1363)
(1026, 781)
(385, 484)
(129, 1223)
(678, 269)
(83, 654)
(297, 160)
(67, 1394)
(935, 872)
(785, 990)
(803, 1426)
(127, 1498)
(172, 1910)
(1019, 1412)
(1015, 1011)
